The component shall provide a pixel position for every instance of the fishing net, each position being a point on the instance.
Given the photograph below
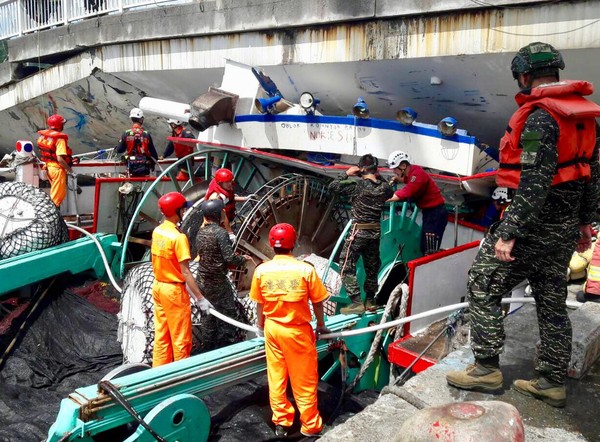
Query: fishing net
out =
(29, 220)
(66, 343)
(136, 318)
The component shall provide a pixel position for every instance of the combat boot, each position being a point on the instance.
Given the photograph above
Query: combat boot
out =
(477, 377)
(370, 305)
(356, 308)
(551, 393)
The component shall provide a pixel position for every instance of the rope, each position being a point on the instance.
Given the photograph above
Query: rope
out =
(393, 300)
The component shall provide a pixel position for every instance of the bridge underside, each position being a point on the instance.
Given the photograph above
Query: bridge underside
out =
(451, 65)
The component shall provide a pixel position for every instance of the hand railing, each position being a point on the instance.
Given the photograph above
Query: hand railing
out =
(18, 17)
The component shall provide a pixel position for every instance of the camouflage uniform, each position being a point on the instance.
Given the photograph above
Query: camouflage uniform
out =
(216, 254)
(368, 201)
(545, 221)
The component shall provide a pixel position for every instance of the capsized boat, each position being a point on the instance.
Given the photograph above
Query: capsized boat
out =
(284, 157)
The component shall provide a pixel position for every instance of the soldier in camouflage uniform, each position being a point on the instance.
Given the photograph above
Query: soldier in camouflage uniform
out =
(215, 253)
(550, 155)
(367, 196)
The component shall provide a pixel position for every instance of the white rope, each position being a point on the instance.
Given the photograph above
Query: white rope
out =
(426, 314)
(393, 299)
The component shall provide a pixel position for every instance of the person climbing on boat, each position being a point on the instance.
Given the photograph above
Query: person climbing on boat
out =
(215, 256)
(138, 147)
(282, 289)
(172, 278)
(549, 154)
(222, 187)
(422, 190)
(181, 149)
(57, 157)
(368, 196)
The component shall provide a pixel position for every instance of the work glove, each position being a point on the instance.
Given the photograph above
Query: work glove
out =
(204, 305)
(260, 332)
(232, 238)
(322, 330)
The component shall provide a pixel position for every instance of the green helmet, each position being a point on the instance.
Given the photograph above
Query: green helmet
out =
(540, 58)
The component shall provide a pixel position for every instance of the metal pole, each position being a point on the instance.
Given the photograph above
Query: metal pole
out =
(20, 7)
(455, 226)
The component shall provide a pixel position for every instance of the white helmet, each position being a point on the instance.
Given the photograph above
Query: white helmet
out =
(136, 113)
(396, 157)
(501, 195)
(175, 122)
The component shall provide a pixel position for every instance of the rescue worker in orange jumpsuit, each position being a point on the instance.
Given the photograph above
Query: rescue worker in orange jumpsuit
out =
(222, 187)
(57, 156)
(170, 262)
(282, 289)
(138, 147)
(181, 149)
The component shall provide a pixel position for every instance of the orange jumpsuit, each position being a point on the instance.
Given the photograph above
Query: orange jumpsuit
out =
(172, 309)
(57, 175)
(284, 286)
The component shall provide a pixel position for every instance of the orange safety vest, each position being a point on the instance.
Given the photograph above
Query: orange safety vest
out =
(137, 141)
(181, 149)
(47, 145)
(575, 117)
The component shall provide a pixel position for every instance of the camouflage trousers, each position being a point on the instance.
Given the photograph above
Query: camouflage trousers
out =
(543, 261)
(215, 333)
(353, 249)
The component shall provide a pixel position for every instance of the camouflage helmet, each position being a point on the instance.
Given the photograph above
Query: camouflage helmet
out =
(537, 57)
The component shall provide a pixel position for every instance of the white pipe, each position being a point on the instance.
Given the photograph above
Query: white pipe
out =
(166, 108)
(228, 320)
(212, 311)
(342, 334)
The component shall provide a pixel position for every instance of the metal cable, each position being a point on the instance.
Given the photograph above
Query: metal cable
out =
(110, 389)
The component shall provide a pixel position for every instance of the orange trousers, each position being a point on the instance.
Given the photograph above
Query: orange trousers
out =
(172, 323)
(58, 183)
(291, 351)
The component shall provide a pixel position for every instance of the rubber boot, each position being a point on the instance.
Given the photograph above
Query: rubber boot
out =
(480, 376)
(552, 393)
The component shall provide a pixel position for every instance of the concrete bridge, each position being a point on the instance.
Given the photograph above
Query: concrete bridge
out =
(443, 58)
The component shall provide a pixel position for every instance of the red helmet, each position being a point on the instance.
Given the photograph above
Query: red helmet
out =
(171, 202)
(282, 235)
(56, 121)
(223, 175)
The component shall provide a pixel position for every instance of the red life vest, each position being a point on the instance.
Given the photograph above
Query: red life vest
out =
(47, 145)
(181, 149)
(137, 141)
(228, 197)
(575, 117)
